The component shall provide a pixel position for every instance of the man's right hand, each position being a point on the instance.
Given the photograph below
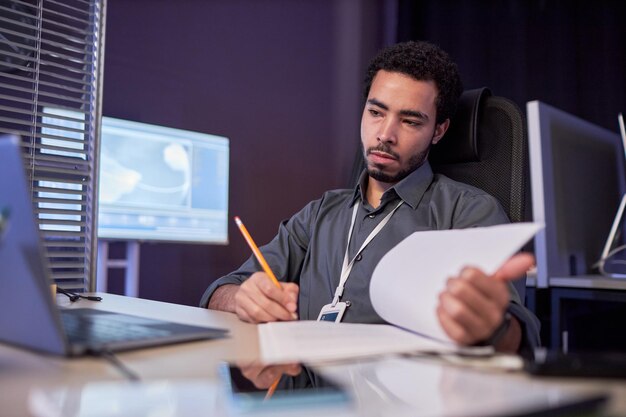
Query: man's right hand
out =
(258, 299)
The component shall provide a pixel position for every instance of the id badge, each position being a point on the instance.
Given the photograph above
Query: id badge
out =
(330, 313)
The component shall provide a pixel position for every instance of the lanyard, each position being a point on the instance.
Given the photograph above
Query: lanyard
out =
(347, 264)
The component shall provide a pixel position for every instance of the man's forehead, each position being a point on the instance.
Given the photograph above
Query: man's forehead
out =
(403, 93)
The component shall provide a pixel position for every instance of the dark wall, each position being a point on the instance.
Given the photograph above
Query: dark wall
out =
(570, 54)
(280, 78)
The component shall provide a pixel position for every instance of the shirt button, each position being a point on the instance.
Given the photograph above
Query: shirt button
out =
(358, 257)
(371, 216)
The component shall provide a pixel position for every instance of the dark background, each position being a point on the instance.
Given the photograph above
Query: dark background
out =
(282, 79)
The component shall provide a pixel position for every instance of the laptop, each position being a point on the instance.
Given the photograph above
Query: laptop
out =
(29, 316)
(615, 242)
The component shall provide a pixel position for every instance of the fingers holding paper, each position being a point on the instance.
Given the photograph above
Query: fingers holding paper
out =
(515, 267)
(259, 300)
(473, 304)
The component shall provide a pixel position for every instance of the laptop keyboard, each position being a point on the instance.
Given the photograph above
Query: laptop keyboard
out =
(101, 329)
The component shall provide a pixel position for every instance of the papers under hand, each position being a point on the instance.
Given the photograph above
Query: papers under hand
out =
(407, 281)
(320, 341)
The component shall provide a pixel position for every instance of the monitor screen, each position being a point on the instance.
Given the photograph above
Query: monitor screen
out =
(577, 180)
(162, 184)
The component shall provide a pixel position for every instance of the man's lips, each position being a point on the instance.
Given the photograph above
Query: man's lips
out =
(378, 156)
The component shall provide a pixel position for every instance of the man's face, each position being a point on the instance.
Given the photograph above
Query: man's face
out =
(398, 125)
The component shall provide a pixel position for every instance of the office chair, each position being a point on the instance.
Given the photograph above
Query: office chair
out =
(486, 146)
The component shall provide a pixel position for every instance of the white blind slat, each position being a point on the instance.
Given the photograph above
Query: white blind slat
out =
(75, 9)
(73, 162)
(58, 170)
(79, 235)
(53, 211)
(45, 93)
(55, 138)
(47, 200)
(76, 265)
(64, 254)
(42, 103)
(60, 191)
(43, 83)
(77, 81)
(62, 244)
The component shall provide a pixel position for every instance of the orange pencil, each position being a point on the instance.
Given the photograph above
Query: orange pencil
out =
(271, 389)
(257, 253)
(259, 257)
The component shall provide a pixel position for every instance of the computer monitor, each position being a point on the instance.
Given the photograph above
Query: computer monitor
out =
(577, 181)
(162, 184)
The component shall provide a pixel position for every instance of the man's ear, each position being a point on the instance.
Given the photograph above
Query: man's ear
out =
(440, 130)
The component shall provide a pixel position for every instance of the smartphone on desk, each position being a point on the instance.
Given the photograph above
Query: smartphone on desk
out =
(249, 387)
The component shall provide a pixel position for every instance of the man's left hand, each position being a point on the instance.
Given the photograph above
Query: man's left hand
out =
(472, 306)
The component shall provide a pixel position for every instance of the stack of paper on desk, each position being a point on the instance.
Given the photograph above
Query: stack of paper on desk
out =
(314, 341)
(404, 291)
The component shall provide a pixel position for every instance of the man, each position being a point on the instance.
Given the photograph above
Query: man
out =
(411, 92)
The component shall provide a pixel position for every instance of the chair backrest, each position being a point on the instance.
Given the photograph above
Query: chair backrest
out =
(486, 146)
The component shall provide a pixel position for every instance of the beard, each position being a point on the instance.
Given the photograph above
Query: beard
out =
(376, 172)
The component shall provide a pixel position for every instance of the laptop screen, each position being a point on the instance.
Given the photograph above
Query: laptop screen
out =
(28, 315)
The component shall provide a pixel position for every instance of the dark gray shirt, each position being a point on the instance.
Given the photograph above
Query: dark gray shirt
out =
(310, 246)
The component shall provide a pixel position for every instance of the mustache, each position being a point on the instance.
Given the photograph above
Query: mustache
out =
(384, 148)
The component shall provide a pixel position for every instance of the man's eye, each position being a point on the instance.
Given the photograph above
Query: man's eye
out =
(374, 112)
(412, 123)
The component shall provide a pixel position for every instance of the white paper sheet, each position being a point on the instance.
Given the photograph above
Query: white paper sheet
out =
(314, 341)
(407, 281)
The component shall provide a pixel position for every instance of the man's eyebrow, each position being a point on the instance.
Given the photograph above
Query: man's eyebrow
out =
(378, 103)
(410, 113)
(416, 114)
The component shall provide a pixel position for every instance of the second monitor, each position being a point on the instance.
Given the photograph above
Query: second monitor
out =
(162, 184)
(577, 179)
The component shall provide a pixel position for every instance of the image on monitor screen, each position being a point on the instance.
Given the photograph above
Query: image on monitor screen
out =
(162, 184)
(577, 180)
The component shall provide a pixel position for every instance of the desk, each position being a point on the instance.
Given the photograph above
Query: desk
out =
(580, 313)
(31, 382)
(586, 313)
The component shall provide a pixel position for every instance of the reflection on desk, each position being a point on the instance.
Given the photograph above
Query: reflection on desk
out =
(387, 387)
(182, 379)
(419, 387)
(123, 399)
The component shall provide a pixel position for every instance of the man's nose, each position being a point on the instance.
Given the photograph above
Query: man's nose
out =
(388, 131)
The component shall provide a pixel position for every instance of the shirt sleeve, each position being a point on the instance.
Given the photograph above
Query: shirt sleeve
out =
(284, 253)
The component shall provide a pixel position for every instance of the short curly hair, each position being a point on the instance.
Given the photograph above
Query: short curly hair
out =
(422, 61)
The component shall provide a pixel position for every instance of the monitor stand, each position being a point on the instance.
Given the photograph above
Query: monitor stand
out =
(130, 264)
(614, 244)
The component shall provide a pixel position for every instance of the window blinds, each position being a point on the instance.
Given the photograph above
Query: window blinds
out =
(51, 55)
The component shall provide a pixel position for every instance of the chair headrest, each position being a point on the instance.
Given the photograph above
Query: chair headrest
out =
(460, 143)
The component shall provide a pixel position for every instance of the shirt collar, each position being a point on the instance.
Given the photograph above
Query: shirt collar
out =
(411, 189)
